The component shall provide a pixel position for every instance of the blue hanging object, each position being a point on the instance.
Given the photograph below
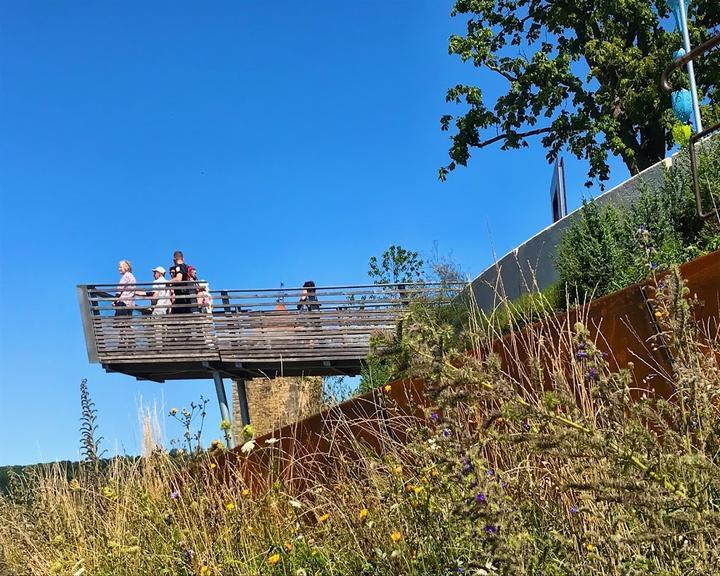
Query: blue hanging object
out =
(679, 53)
(682, 105)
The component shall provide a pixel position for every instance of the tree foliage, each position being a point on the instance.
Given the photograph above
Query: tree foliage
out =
(581, 74)
(396, 266)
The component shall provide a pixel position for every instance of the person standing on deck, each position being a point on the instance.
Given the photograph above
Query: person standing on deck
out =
(125, 297)
(308, 298)
(161, 292)
(185, 299)
(204, 298)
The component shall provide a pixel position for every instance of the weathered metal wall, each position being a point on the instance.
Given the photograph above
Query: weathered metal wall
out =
(622, 324)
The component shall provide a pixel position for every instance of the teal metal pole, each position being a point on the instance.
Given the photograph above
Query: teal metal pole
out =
(690, 68)
(224, 412)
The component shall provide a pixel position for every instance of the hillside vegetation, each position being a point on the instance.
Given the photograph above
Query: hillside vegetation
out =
(561, 474)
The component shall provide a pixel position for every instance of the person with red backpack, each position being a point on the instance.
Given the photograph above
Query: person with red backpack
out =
(186, 292)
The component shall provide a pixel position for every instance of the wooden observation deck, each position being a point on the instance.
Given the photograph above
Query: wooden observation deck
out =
(246, 333)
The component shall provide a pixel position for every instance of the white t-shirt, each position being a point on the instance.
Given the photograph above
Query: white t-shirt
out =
(161, 293)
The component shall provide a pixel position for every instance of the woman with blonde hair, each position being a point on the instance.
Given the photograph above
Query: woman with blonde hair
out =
(125, 297)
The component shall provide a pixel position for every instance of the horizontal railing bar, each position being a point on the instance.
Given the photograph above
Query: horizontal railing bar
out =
(285, 299)
(289, 289)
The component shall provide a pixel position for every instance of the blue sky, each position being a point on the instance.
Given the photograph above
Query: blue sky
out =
(271, 142)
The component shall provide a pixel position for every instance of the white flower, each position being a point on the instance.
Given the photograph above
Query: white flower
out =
(295, 503)
(248, 447)
(272, 440)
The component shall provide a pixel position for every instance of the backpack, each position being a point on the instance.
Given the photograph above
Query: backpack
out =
(191, 273)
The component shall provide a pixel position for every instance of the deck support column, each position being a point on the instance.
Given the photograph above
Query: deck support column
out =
(224, 412)
(242, 401)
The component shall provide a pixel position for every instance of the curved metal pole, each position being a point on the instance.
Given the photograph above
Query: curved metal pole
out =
(691, 55)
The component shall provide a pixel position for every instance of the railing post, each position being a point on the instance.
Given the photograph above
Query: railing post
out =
(224, 412)
(225, 301)
(87, 312)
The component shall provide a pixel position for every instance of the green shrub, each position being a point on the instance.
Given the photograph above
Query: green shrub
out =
(609, 247)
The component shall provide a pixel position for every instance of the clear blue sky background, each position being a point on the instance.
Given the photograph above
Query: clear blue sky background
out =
(272, 142)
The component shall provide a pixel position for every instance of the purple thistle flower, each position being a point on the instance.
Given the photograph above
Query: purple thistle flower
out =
(175, 494)
(467, 466)
(653, 265)
(491, 529)
(592, 374)
(574, 509)
(526, 426)
(491, 472)
(460, 570)
(473, 484)
(480, 498)
(446, 433)
(434, 416)
(581, 354)
(503, 485)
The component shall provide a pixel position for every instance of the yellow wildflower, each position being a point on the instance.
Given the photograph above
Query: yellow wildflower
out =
(108, 492)
(245, 492)
(388, 388)
(204, 570)
(395, 536)
(590, 547)
(74, 484)
(213, 465)
(274, 559)
(397, 469)
(363, 513)
(324, 517)
(230, 506)
(418, 490)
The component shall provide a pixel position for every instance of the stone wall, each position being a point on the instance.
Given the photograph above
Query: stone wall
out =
(531, 266)
(273, 403)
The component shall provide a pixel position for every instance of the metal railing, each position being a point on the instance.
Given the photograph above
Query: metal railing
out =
(196, 324)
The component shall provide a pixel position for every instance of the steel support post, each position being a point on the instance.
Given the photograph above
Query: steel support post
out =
(224, 412)
(242, 401)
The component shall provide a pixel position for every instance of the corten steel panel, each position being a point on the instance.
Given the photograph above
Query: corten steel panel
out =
(310, 449)
(703, 279)
(620, 325)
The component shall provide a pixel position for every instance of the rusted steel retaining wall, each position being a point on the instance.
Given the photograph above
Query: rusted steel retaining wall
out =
(622, 324)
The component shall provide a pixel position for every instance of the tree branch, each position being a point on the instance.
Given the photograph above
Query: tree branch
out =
(509, 77)
(506, 135)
